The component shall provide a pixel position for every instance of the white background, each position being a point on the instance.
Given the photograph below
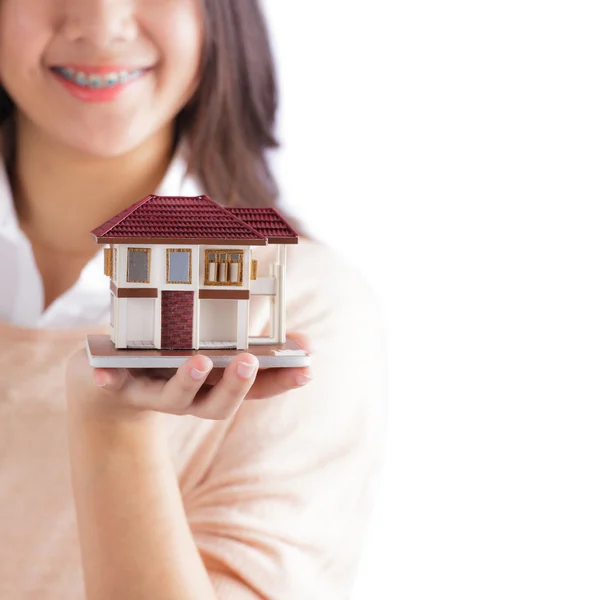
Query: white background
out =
(464, 138)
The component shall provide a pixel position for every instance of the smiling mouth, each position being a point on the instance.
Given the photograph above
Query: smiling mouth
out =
(91, 80)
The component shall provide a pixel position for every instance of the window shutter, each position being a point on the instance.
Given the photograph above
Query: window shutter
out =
(234, 272)
(108, 262)
(222, 272)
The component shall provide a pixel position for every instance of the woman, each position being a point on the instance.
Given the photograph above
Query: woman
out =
(105, 101)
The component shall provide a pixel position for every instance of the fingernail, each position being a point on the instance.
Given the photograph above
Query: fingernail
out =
(101, 379)
(246, 370)
(302, 380)
(198, 375)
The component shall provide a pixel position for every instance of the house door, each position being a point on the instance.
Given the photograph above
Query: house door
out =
(177, 320)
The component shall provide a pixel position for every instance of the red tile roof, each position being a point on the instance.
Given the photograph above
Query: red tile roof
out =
(177, 219)
(268, 222)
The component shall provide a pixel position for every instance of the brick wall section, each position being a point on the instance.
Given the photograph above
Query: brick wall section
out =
(177, 318)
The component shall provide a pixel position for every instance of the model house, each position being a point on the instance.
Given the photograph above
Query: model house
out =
(182, 273)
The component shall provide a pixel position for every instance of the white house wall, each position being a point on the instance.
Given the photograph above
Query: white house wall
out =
(263, 286)
(218, 321)
(140, 320)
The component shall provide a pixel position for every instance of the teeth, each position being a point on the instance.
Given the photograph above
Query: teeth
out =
(81, 79)
(98, 81)
(111, 79)
(94, 81)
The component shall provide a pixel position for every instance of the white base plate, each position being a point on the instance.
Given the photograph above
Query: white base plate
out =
(103, 354)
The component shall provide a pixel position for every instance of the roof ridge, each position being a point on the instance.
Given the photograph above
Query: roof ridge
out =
(120, 217)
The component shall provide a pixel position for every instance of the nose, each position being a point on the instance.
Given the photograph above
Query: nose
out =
(101, 23)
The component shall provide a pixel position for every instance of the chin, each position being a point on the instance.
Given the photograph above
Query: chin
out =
(106, 149)
(103, 144)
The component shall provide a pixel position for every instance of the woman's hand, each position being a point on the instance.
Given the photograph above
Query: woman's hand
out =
(195, 388)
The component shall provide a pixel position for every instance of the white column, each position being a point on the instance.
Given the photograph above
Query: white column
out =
(243, 318)
(197, 315)
(121, 322)
(280, 293)
(115, 319)
(197, 281)
(158, 321)
(274, 300)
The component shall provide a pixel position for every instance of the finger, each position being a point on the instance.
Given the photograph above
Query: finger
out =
(182, 389)
(273, 382)
(129, 389)
(223, 400)
(154, 393)
(111, 380)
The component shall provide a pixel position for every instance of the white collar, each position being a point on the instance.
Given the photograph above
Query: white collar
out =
(9, 223)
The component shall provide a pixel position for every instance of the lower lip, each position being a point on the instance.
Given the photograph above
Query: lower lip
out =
(87, 94)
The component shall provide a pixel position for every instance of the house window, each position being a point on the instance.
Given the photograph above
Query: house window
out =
(223, 267)
(179, 266)
(138, 265)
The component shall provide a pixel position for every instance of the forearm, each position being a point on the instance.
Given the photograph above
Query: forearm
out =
(134, 536)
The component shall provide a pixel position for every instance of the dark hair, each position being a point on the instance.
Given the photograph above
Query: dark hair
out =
(231, 117)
